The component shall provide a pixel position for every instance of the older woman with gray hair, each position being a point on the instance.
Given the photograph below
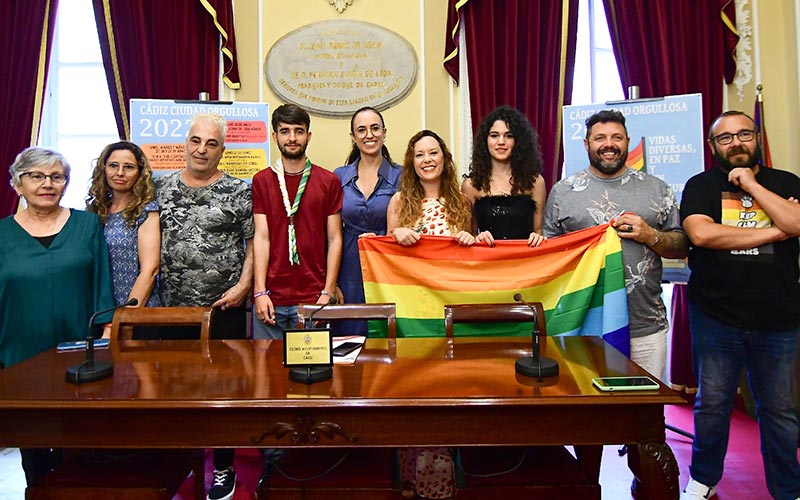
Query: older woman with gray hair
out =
(54, 272)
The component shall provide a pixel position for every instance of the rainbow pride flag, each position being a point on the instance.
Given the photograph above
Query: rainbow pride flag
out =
(578, 278)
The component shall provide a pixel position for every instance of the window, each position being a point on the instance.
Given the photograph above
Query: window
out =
(77, 120)
(596, 77)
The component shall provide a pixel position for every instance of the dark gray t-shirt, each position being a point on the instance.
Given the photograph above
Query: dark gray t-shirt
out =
(584, 200)
(203, 233)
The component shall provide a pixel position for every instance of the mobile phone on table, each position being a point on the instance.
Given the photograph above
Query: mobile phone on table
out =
(346, 348)
(79, 345)
(635, 383)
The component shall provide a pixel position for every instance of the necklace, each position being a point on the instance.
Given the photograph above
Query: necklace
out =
(293, 174)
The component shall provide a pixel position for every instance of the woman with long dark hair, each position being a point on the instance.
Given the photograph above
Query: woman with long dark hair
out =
(504, 184)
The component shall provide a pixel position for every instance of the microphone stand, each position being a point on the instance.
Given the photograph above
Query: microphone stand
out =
(89, 371)
(537, 365)
(309, 374)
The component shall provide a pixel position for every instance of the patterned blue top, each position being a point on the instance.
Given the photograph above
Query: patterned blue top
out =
(123, 247)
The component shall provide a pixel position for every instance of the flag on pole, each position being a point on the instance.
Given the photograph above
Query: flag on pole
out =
(761, 128)
(577, 277)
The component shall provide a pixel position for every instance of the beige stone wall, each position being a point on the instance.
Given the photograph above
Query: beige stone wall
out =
(429, 105)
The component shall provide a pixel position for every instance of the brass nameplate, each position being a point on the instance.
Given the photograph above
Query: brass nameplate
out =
(307, 347)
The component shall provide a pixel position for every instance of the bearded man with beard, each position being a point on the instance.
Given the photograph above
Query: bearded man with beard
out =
(743, 222)
(297, 247)
(643, 210)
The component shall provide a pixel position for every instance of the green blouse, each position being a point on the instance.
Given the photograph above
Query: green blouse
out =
(47, 295)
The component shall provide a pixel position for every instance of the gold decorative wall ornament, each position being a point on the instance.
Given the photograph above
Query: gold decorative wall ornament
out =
(340, 5)
(744, 49)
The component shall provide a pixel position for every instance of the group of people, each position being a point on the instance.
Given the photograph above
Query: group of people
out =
(200, 237)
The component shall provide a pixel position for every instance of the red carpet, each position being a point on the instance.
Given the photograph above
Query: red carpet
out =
(743, 477)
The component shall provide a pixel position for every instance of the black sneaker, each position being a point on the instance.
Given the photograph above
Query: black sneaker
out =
(223, 486)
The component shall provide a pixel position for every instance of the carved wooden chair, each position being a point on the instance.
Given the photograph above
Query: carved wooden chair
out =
(492, 313)
(127, 319)
(350, 311)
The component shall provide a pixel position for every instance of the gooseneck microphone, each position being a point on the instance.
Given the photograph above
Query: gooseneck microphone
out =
(536, 365)
(331, 302)
(89, 371)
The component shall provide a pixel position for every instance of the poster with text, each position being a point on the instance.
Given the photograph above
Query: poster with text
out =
(666, 136)
(160, 127)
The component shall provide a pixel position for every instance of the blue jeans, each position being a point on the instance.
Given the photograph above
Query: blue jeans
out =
(285, 319)
(719, 354)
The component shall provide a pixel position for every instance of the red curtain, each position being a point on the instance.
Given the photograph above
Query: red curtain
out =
(669, 47)
(154, 49)
(28, 27)
(520, 53)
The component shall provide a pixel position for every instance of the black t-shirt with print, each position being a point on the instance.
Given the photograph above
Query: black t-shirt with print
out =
(754, 288)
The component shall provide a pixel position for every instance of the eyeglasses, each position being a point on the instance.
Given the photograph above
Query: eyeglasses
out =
(39, 178)
(361, 132)
(128, 168)
(743, 135)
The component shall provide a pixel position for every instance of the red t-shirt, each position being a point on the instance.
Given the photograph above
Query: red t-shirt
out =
(297, 284)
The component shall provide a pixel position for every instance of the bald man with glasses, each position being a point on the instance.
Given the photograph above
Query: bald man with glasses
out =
(743, 222)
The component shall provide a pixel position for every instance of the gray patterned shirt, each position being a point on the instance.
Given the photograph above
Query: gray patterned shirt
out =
(203, 233)
(583, 200)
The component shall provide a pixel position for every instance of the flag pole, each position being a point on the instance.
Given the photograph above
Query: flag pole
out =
(762, 130)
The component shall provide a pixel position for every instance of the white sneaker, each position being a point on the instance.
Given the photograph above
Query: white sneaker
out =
(697, 491)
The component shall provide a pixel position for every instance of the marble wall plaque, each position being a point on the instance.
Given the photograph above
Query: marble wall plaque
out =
(331, 68)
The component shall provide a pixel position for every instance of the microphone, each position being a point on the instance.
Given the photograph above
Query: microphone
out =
(536, 365)
(331, 302)
(89, 371)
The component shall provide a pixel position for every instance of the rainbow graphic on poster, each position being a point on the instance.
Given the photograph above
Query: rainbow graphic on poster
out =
(637, 157)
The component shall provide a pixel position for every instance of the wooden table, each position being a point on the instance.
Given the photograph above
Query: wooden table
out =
(417, 392)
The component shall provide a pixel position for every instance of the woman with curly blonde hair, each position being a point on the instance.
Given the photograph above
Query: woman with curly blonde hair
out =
(429, 200)
(122, 195)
